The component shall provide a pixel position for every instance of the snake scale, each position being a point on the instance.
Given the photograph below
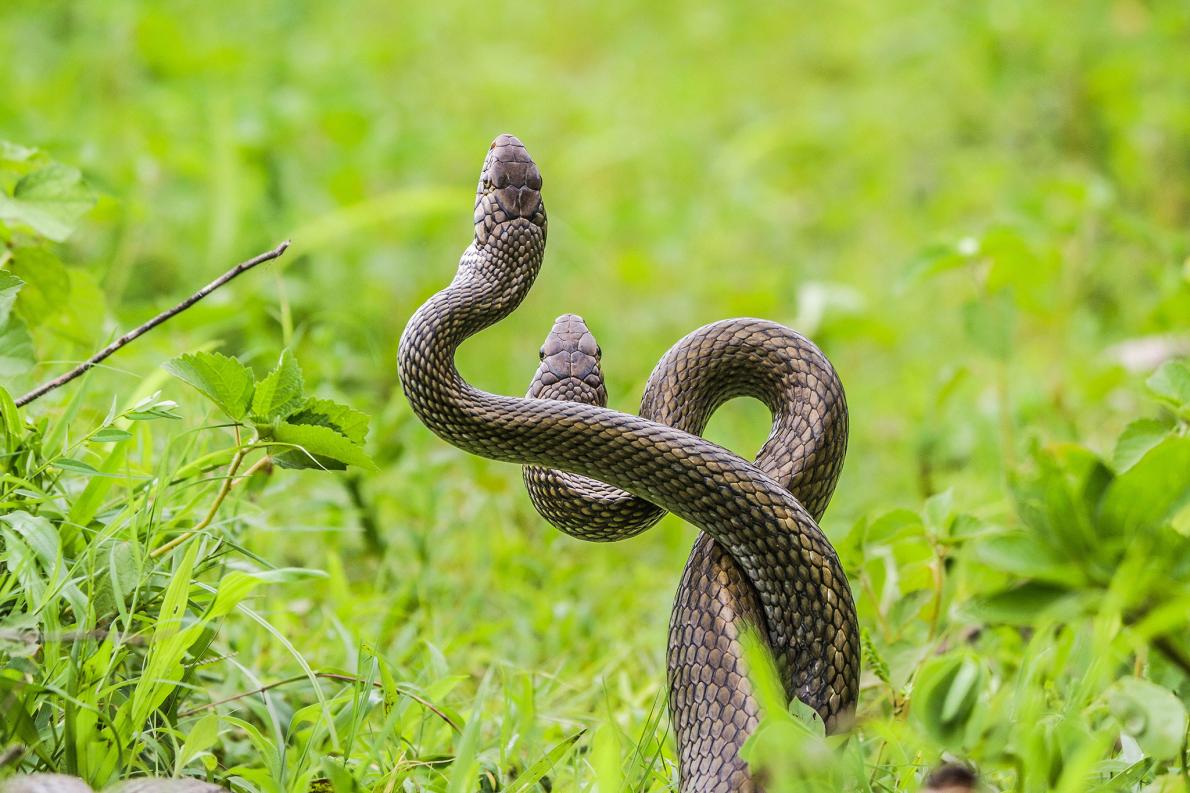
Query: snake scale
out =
(602, 474)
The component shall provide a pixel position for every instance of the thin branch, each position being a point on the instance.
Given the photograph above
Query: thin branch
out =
(425, 703)
(242, 267)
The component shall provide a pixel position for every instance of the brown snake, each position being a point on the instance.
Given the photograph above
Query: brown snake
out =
(762, 559)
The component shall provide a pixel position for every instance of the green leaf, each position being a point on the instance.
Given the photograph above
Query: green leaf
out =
(1022, 554)
(110, 435)
(1136, 440)
(16, 348)
(9, 286)
(15, 154)
(10, 418)
(50, 201)
(47, 284)
(326, 413)
(199, 739)
(1171, 384)
(1023, 604)
(944, 696)
(530, 776)
(75, 466)
(222, 379)
(280, 393)
(1151, 714)
(79, 467)
(323, 443)
(1151, 491)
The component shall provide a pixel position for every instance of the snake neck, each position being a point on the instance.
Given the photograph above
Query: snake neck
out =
(480, 295)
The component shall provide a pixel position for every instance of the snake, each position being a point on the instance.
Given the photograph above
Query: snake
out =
(761, 560)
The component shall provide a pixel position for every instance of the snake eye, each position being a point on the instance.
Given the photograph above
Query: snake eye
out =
(598, 352)
(541, 354)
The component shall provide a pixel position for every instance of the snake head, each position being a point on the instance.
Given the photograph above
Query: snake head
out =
(509, 189)
(569, 369)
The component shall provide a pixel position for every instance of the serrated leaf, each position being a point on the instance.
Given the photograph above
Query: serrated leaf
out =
(319, 442)
(1171, 383)
(10, 285)
(279, 394)
(1136, 440)
(221, 378)
(326, 413)
(16, 348)
(50, 201)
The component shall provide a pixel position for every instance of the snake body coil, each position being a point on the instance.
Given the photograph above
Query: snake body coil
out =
(762, 560)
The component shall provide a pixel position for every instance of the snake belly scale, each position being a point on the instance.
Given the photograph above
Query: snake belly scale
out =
(761, 560)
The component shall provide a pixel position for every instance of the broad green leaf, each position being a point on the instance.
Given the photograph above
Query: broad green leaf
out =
(1021, 554)
(50, 201)
(1023, 604)
(16, 348)
(233, 588)
(322, 443)
(1151, 714)
(944, 696)
(893, 526)
(10, 285)
(1171, 384)
(222, 379)
(1136, 440)
(280, 392)
(1151, 491)
(199, 739)
(326, 413)
(47, 290)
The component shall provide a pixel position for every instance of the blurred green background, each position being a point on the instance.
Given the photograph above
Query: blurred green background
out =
(977, 210)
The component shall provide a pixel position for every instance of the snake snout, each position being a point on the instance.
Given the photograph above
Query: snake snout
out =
(569, 367)
(512, 183)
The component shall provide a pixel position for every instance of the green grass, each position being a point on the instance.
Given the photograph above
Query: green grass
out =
(977, 210)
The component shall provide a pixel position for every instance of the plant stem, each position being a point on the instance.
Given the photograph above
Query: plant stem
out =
(210, 516)
(82, 368)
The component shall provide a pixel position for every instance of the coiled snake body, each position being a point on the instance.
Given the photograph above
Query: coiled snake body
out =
(762, 559)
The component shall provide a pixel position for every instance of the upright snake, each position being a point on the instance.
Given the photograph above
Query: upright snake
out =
(762, 558)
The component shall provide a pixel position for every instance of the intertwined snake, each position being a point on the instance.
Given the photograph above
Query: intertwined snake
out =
(762, 559)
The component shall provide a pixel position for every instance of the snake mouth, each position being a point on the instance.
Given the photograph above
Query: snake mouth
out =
(509, 187)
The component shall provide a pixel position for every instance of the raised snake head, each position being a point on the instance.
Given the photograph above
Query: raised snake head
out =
(569, 369)
(509, 188)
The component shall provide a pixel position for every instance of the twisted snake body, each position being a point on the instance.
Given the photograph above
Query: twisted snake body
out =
(762, 560)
